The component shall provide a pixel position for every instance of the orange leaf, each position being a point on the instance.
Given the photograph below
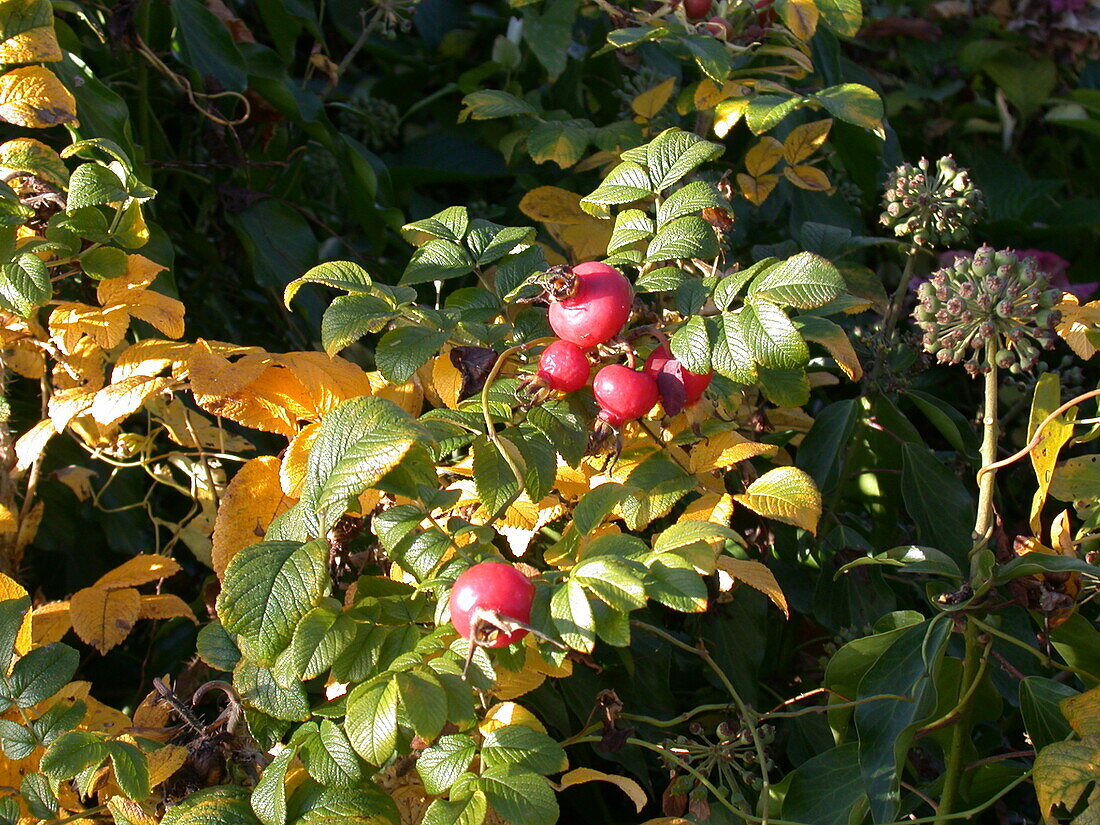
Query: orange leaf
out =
(763, 156)
(806, 139)
(756, 190)
(808, 177)
(103, 618)
(250, 503)
(165, 606)
(143, 569)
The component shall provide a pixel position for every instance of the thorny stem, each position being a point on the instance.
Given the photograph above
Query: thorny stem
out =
(748, 716)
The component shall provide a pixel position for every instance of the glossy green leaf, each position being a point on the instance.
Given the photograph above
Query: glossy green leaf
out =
(443, 762)
(372, 720)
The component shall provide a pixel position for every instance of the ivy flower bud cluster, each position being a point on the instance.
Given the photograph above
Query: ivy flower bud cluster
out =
(931, 205)
(992, 297)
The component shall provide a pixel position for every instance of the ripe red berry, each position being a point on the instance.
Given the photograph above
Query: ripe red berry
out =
(623, 394)
(491, 586)
(697, 9)
(598, 308)
(678, 386)
(564, 366)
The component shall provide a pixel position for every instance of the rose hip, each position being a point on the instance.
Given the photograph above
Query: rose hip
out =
(596, 310)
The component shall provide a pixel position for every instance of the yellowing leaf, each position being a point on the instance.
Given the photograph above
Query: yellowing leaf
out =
(150, 357)
(578, 776)
(131, 292)
(50, 622)
(1083, 712)
(127, 811)
(756, 190)
(165, 606)
(511, 685)
(552, 204)
(727, 114)
(139, 570)
(33, 97)
(755, 575)
(808, 177)
(725, 450)
(1046, 399)
(65, 405)
(11, 589)
(508, 713)
(713, 507)
(806, 139)
(649, 103)
(163, 762)
(292, 472)
(250, 503)
(709, 94)
(763, 156)
(116, 401)
(786, 494)
(1065, 776)
(103, 618)
(105, 326)
(835, 340)
(32, 444)
(800, 16)
(1079, 325)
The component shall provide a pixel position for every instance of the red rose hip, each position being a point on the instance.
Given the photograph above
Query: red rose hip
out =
(674, 382)
(623, 394)
(564, 366)
(597, 308)
(487, 588)
(696, 9)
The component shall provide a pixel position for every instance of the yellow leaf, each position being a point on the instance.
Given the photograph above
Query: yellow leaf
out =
(1046, 399)
(33, 97)
(103, 618)
(292, 472)
(763, 157)
(103, 718)
(150, 357)
(131, 292)
(709, 94)
(727, 114)
(9, 525)
(28, 529)
(806, 139)
(50, 622)
(713, 507)
(408, 396)
(129, 812)
(1083, 712)
(32, 444)
(11, 589)
(165, 606)
(511, 685)
(116, 401)
(1066, 777)
(552, 204)
(446, 380)
(800, 16)
(724, 450)
(34, 157)
(248, 506)
(786, 494)
(163, 762)
(1079, 325)
(756, 190)
(139, 570)
(65, 405)
(583, 241)
(105, 326)
(808, 177)
(835, 340)
(508, 713)
(649, 103)
(24, 358)
(26, 27)
(755, 575)
(578, 776)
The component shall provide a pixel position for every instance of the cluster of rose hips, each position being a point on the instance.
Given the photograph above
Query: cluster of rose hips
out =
(589, 306)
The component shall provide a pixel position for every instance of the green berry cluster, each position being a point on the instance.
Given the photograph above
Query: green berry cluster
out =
(932, 206)
(993, 298)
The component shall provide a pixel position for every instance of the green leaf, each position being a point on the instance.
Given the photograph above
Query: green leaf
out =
(540, 462)
(1039, 705)
(691, 345)
(768, 111)
(1031, 564)
(632, 36)
(72, 753)
(844, 17)
(18, 742)
(488, 104)
(711, 56)
(204, 44)
(93, 185)
(854, 103)
(823, 448)
(731, 355)
(616, 582)
(39, 675)
(519, 796)
(24, 284)
(885, 726)
(662, 279)
(259, 689)
(372, 720)
(772, 338)
(350, 317)
(37, 793)
(437, 260)
(688, 200)
(937, 501)
(216, 648)
(12, 614)
(269, 795)
(561, 422)
(562, 141)
(57, 719)
(491, 242)
(550, 34)
(595, 505)
(952, 424)
(321, 635)
(344, 275)
(805, 281)
(329, 758)
(910, 559)
(785, 387)
(404, 350)
(267, 589)
(1065, 777)
(823, 790)
(786, 494)
(359, 442)
(631, 226)
(221, 805)
(131, 769)
(572, 616)
(674, 583)
(442, 763)
(104, 262)
(495, 482)
(674, 154)
(682, 238)
(470, 810)
(424, 702)
(523, 747)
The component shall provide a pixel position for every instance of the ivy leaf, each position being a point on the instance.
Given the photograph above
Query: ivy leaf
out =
(805, 281)
(371, 722)
(786, 494)
(268, 588)
(519, 796)
(772, 338)
(442, 763)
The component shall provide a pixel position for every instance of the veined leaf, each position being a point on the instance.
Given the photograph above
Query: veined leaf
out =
(786, 494)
